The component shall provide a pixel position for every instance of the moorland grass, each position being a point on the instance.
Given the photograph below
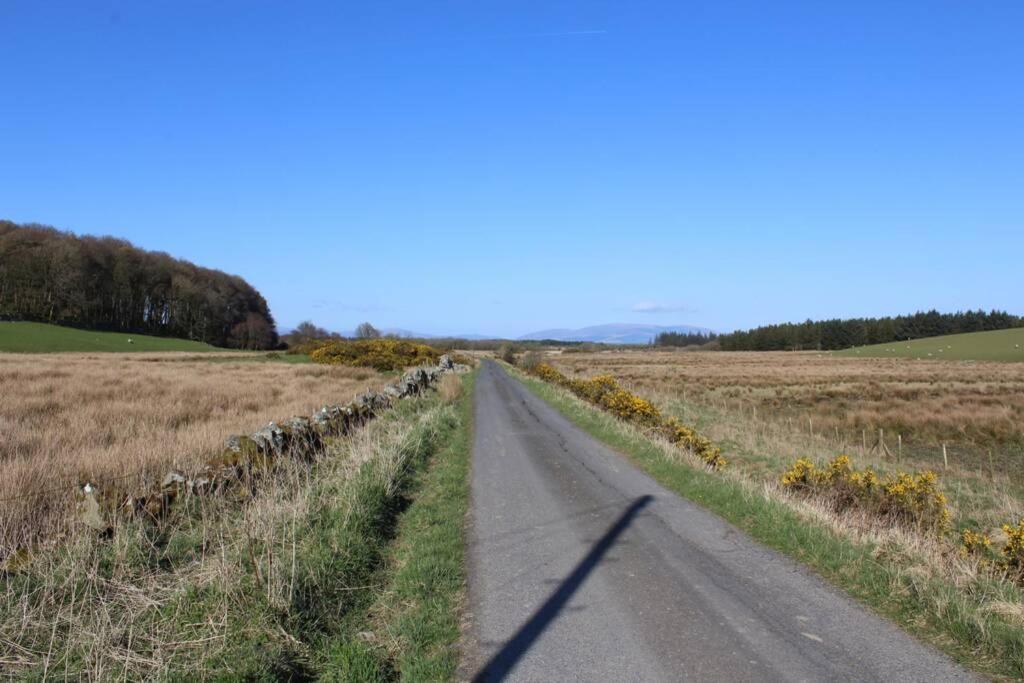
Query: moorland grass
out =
(975, 408)
(410, 630)
(283, 583)
(26, 337)
(129, 417)
(978, 622)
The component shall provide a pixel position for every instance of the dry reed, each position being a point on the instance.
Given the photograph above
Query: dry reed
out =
(130, 620)
(969, 405)
(69, 417)
(771, 408)
(450, 388)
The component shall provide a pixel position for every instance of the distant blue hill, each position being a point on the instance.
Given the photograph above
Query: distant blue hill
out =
(411, 334)
(614, 333)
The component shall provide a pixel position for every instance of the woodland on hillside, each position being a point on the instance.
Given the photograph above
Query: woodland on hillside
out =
(825, 335)
(105, 283)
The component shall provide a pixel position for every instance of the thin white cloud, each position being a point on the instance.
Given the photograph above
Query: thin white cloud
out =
(655, 307)
(555, 34)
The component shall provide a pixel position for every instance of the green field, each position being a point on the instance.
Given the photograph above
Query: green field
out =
(1000, 345)
(21, 337)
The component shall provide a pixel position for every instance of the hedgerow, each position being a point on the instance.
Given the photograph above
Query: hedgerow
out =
(604, 391)
(380, 354)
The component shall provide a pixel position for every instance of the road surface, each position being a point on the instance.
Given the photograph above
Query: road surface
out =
(582, 568)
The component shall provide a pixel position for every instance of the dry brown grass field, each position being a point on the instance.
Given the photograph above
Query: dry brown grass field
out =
(69, 417)
(770, 408)
(928, 402)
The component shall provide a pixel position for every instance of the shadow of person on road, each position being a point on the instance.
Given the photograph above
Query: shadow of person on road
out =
(502, 663)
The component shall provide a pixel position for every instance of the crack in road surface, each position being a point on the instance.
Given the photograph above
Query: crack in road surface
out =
(582, 568)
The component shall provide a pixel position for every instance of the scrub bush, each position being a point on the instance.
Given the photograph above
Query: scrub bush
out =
(380, 354)
(906, 499)
(1007, 558)
(604, 391)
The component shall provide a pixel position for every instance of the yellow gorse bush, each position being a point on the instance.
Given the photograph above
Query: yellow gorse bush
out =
(975, 543)
(1008, 559)
(802, 475)
(605, 392)
(630, 407)
(380, 354)
(549, 374)
(687, 437)
(917, 497)
(1012, 558)
(908, 499)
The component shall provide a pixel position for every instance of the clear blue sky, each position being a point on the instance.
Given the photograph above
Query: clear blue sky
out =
(501, 167)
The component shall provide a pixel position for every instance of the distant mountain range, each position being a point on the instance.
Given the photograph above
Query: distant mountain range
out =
(614, 333)
(410, 334)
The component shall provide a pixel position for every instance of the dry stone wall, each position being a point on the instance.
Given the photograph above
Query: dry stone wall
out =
(246, 458)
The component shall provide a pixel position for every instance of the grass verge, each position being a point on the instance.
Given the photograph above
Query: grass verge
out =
(980, 623)
(411, 629)
(349, 570)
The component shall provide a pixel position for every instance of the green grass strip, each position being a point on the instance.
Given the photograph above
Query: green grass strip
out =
(933, 609)
(410, 632)
(995, 345)
(348, 571)
(26, 337)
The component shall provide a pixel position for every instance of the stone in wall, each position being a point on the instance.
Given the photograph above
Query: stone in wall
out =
(246, 457)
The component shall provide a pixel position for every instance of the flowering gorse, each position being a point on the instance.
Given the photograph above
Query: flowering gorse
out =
(380, 354)
(907, 499)
(916, 497)
(1006, 556)
(803, 476)
(975, 543)
(605, 392)
(687, 437)
(630, 407)
(1012, 559)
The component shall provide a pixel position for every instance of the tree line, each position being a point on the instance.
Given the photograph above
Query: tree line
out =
(828, 335)
(684, 338)
(105, 283)
(308, 335)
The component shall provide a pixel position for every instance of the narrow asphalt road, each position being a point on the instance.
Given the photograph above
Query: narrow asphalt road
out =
(583, 568)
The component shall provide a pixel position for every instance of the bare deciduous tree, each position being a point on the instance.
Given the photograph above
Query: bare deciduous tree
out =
(367, 331)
